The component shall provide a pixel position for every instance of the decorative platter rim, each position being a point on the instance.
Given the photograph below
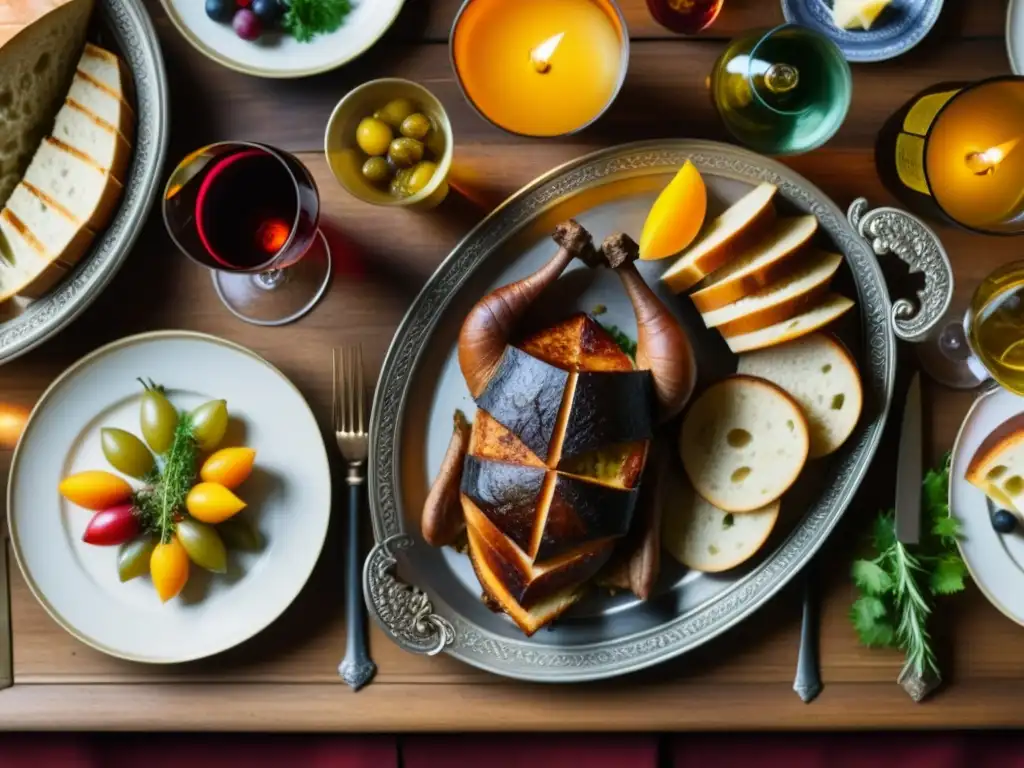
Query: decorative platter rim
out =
(136, 38)
(524, 658)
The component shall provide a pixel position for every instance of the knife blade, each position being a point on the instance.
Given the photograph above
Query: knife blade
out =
(909, 468)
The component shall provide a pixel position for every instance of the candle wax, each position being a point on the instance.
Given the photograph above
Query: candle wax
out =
(985, 117)
(493, 42)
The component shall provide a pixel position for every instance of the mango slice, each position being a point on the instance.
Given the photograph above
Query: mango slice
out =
(676, 217)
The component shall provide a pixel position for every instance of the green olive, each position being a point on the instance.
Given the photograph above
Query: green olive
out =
(405, 152)
(125, 452)
(203, 545)
(373, 136)
(421, 175)
(239, 534)
(415, 126)
(133, 557)
(400, 182)
(158, 420)
(376, 170)
(209, 423)
(395, 111)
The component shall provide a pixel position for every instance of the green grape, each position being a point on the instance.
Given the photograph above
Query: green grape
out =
(240, 535)
(158, 420)
(203, 545)
(133, 557)
(209, 423)
(125, 452)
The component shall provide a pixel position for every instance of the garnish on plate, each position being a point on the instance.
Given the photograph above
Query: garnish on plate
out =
(897, 585)
(170, 520)
(302, 19)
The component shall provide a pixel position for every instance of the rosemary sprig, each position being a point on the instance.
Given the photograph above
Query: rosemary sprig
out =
(159, 503)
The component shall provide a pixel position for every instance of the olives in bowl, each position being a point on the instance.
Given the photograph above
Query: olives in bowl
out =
(389, 143)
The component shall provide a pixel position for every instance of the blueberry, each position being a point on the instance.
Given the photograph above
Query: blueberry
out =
(220, 10)
(1004, 522)
(268, 11)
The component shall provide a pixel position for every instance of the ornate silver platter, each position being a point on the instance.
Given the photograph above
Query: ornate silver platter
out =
(124, 26)
(428, 600)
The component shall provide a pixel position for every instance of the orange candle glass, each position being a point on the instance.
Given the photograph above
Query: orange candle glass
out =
(540, 67)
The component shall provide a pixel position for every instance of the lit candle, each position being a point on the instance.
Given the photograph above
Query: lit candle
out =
(540, 67)
(957, 148)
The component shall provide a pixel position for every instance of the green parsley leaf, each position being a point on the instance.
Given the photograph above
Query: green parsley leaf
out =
(868, 615)
(305, 19)
(883, 535)
(948, 575)
(947, 529)
(870, 577)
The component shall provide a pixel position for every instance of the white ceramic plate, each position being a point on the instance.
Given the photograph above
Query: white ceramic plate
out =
(289, 497)
(279, 55)
(995, 560)
(1015, 35)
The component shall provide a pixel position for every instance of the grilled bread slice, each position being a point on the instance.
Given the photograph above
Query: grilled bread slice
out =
(832, 307)
(997, 468)
(723, 238)
(104, 102)
(743, 443)
(779, 301)
(75, 183)
(81, 130)
(821, 375)
(764, 262)
(40, 41)
(61, 235)
(25, 269)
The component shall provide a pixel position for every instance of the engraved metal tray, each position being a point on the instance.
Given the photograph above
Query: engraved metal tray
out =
(125, 27)
(428, 600)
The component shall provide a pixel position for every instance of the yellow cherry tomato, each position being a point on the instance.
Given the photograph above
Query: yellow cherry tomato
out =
(95, 489)
(168, 566)
(228, 466)
(212, 503)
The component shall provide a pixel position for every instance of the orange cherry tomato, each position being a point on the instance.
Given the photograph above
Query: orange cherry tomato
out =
(228, 466)
(168, 565)
(212, 503)
(95, 490)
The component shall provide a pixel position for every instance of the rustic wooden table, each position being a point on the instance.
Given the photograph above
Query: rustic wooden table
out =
(285, 678)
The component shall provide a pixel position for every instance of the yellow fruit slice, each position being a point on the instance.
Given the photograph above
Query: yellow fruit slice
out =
(676, 216)
(212, 503)
(168, 566)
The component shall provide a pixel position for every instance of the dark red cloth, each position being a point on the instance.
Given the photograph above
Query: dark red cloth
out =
(530, 751)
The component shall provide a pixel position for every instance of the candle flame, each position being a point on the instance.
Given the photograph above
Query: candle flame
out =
(12, 422)
(983, 163)
(541, 55)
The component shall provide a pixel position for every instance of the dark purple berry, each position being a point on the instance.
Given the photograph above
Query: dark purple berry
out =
(220, 10)
(246, 24)
(269, 11)
(1003, 521)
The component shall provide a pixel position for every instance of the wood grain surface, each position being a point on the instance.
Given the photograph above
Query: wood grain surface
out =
(285, 678)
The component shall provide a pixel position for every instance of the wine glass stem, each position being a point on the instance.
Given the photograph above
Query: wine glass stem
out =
(270, 279)
(956, 346)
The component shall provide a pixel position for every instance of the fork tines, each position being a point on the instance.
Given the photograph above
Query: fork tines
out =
(349, 407)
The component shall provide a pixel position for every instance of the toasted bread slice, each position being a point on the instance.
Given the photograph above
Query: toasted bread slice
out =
(821, 375)
(832, 307)
(779, 301)
(25, 269)
(768, 260)
(705, 538)
(107, 69)
(743, 443)
(997, 467)
(39, 44)
(74, 182)
(64, 239)
(724, 237)
(107, 105)
(103, 144)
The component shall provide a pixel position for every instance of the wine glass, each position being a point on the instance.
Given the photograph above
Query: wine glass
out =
(985, 341)
(783, 91)
(687, 17)
(250, 213)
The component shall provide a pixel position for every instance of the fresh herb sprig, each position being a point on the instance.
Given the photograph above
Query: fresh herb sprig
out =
(896, 585)
(305, 19)
(160, 503)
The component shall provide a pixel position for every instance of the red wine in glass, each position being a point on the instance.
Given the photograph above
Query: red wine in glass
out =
(250, 213)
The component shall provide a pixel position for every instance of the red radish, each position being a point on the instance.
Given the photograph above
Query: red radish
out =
(114, 525)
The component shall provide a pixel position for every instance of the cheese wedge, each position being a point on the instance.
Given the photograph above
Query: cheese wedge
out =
(779, 301)
(821, 375)
(858, 14)
(103, 102)
(75, 183)
(63, 238)
(723, 238)
(831, 308)
(997, 467)
(759, 265)
(25, 269)
(81, 130)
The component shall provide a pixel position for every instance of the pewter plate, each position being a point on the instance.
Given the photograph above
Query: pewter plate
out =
(433, 603)
(123, 26)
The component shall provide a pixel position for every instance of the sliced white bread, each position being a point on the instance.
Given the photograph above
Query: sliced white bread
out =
(705, 538)
(74, 182)
(40, 41)
(723, 238)
(997, 468)
(108, 69)
(821, 375)
(779, 301)
(761, 264)
(80, 129)
(24, 267)
(743, 443)
(63, 237)
(832, 307)
(103, 102)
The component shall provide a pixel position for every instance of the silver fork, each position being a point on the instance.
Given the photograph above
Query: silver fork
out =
(349, 419)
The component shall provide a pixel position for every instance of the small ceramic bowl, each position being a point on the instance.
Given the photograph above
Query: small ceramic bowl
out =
(345, 158)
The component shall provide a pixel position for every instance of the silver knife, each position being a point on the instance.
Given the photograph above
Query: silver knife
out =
(909, 468)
